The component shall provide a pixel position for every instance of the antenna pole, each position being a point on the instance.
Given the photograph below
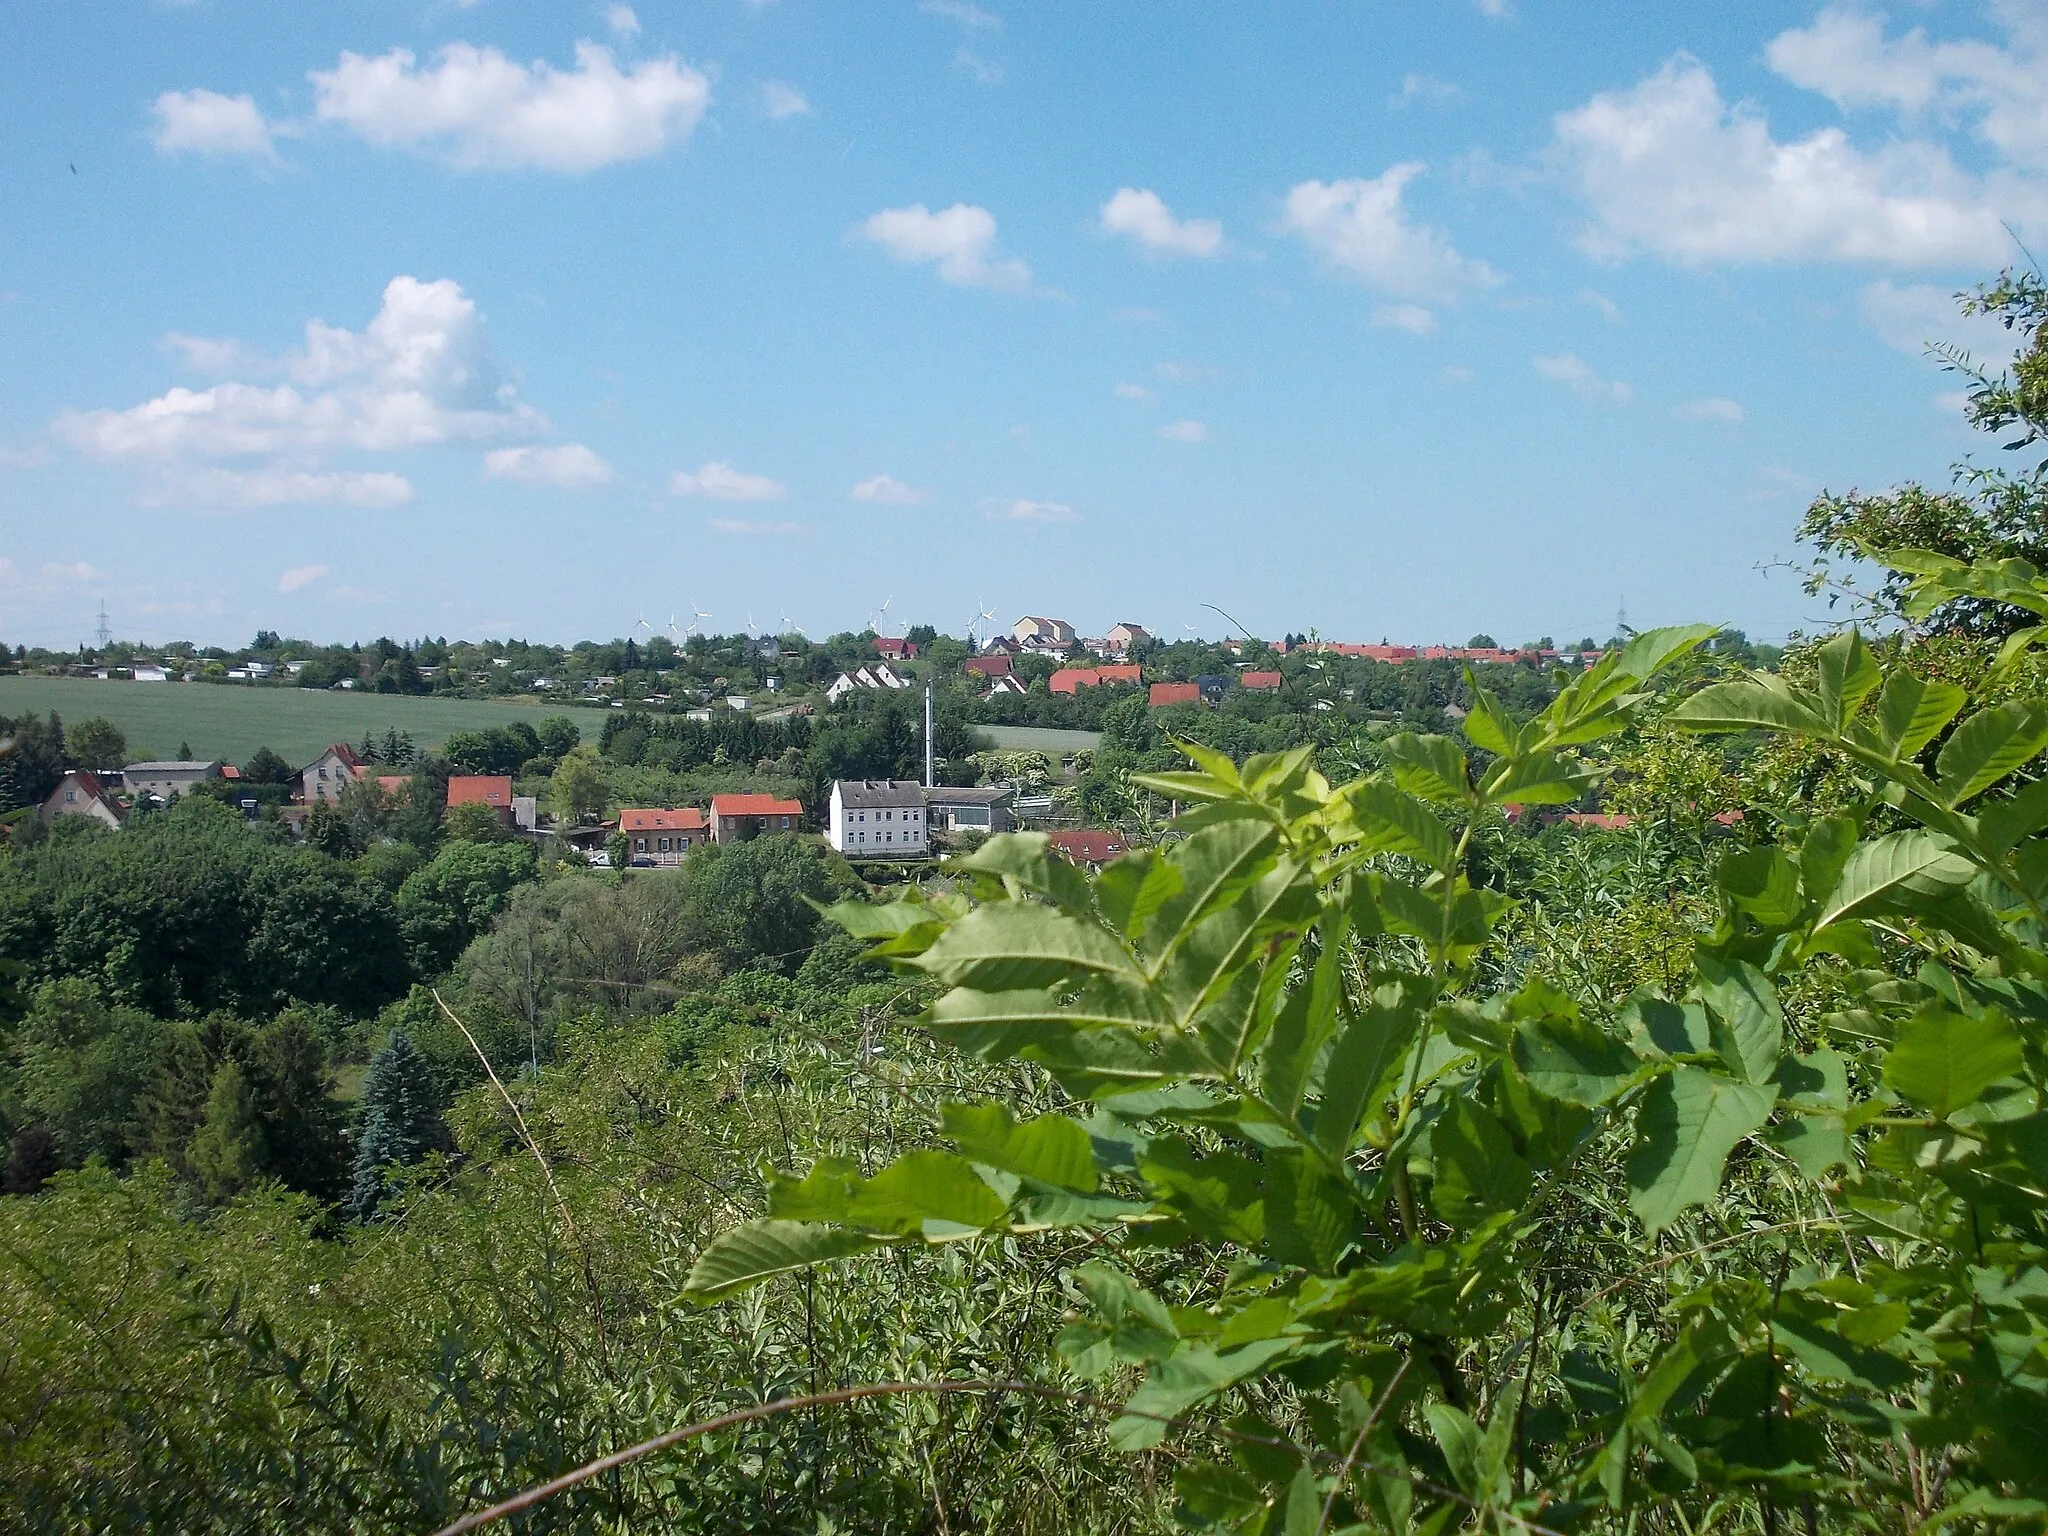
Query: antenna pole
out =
(928, 736)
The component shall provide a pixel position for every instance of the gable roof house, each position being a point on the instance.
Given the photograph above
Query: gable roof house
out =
(492, 789)
(660, 839)
(997, 664)
(1261, 681)
(738, 818)
(1005, 684)
(1164, 694)
(321, 780)
(1039, 634)
(1089, 847)
(895, 650)
(878, 819)
(80, 793)
(1122, 637)
(165, 779)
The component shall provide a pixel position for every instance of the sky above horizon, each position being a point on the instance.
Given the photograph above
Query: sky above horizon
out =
(1399, 320)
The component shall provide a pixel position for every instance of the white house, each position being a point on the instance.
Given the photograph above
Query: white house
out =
(323, 779)
(1039, 634)
(165, 779)
(878, 819)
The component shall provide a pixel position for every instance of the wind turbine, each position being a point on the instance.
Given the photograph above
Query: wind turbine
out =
(674, 635)
(881, 615)
(697, 619)
(791, 627)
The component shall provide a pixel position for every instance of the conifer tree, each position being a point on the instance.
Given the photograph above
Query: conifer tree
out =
(399, 1124)
(228, 1153)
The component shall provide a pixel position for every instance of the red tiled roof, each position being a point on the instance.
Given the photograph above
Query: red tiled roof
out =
(1088, 845)
(392, 783)
(230, 771)
(345, 752)
(986, 666)
(754, 805)
(1120, 673)
(1068, 679)
(494, 789)
(687, 819)
(894, 649)
(1261, 680)
(1176, 693)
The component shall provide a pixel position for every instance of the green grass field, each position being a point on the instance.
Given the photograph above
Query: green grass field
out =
(1021, 738)
(231, 722)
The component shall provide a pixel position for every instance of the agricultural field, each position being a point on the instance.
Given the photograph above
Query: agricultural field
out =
(232, 722)
(1029, 738)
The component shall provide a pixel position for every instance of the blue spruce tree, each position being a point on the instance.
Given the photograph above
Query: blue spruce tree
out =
(400, 1122)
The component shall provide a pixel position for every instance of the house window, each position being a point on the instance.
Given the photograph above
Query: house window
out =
(639, 845)
(785, 821)
(662, 845)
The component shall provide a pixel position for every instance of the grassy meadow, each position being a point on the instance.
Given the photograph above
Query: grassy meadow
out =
(231, 722)
(1008, 738)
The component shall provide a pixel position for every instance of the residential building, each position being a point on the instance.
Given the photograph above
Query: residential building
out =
(985, 809)
(996, 665)
(895, 650)
(492, 789)
(1005, 684)
(878, 819)
(1124, 672)
(1212, 685)
(1073, 679)
(1268, 682)
(663, 838)
(165, 779)
(80, 793)
(1123, 637)
(321, 781)
(1089, 847)
(1175, 693)
(145, 673)
(1040, 634)
(737, 818)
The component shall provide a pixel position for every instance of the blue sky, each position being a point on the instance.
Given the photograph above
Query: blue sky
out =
(1401, 320)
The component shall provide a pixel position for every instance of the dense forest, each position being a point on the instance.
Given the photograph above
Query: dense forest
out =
(1378, 1147)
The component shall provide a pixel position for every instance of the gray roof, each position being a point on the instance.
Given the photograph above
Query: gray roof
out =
(986, 795)
(873, 794)
(172, 767)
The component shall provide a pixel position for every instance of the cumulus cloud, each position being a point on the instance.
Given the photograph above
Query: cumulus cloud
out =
(1609, 310)
(299, 576)
(1569, 370)
(959, 240)
(1415, 319)
(1416, 88)
(212, 485)
(421, 373)
(1022, 510)
(214, 354)
(1185, 432)
(208, 123)
(888, 491)
(721, 482)
(1669, 168)
(972, 17)
(781, 99)
(1712, 408)
(51, 577)
(622, 20)
(1915, 316)
(1360, 228)
(1142, 216)
(481, 109)
(569, 467)
(1125, 390)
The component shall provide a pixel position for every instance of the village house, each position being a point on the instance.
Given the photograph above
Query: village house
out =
(738, 818)
(1122, 638)
(1089, 847)
(492, 789)
(1040, 634)
(166, 779)
(997, 664)
(80, 793)
(663, 838)
(986, 809)
(1005, 684)
(878, 819)
(321, 781)
(1164, 694)
(895, 650)
(1267, 682)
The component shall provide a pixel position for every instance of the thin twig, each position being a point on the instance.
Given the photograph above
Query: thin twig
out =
(1358, 1444)
(1692, 1253)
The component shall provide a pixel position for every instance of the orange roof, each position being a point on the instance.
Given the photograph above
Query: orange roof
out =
(230, 771)
(986, 666)
(1120, 674)
(1088, 845)
(1176, 693)
(1261, 680)
(687, 819)
(754, 805)
(392, 783)
(481, 789)
(1067, 679)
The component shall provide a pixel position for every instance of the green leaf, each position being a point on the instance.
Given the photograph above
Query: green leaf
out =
(1131, 889)
(1393, 822)
(1573, 1061)
(1831, 1357)
(1880, 875)
(1764, 883)
(1987, 747)
(1212, 949)
(2002, 823)
(1050, 1148)
(929, 1193)
(1847, 674)
(1543, 777)
(1008, 1020)
(1942, 1060)
(1026, 858)
(1007, 945)
(1689, 1122)
(1743, 1001)
(1653, 650)
(1135, 1324)
(1458, 1438)
(1306, 1021)
(758, 1249)
(1816, 1144)
(1911, 713)
(1310, 1217)
(1220, 1195)
(1365, 1059)
(1829, 842)
(1487, 725)
(1429, 766)
(1760, 702)
(1215, 865)
(1192, 1374)
(1478, 1170)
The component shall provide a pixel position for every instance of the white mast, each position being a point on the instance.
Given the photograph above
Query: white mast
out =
(927, 735)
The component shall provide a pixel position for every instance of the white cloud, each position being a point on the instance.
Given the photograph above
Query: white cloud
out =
(1712, 408)
(888, 491)
(1185, 432)
(1187, 373)
(481, 109)
(1609, 310)
(622, 20)
(569, 467)
(782, 99)
(421, 373)
(747, 525)
(1416, 88)
(208, 123)
(1495, 9)
(1145, 218)
(52, 577)
(984, 71)
(299, 576)
(1668, 167)
(959, 240)
(1567, 369)
(1126, 390)
(1412, 318)
(721, 482)
(972, 17)
(1914, 316)
(278, 486)
(1360, 227)
(1022, 510)
(2003, 91)
(215, 355)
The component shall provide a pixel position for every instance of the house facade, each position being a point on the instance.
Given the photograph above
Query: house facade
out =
(1034, 633)
(492, 789)
(737, 818)
(322, 780)
(1122, 637)
(996, 664)
(80, 793)
(165, 779)
(879, 819)
(662, 838)
(969, 810)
